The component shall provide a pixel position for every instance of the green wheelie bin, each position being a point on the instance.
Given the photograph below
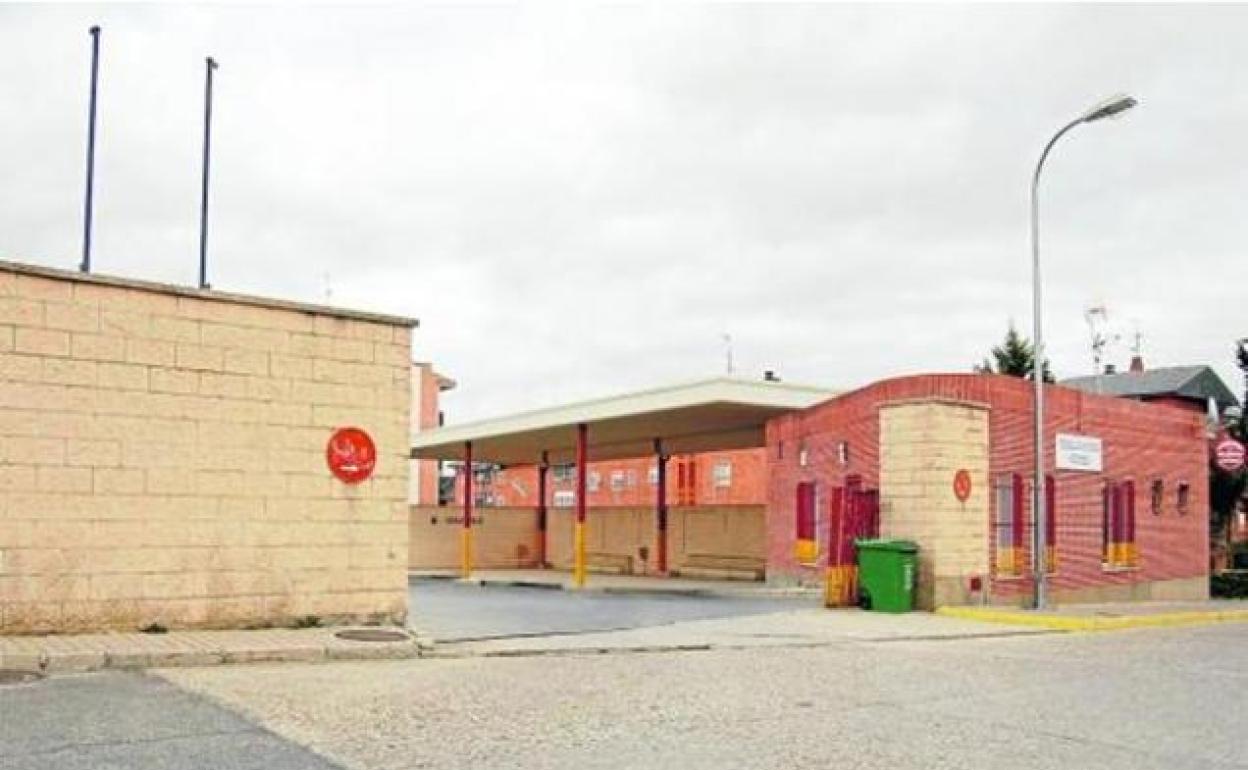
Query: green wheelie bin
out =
(886, 574)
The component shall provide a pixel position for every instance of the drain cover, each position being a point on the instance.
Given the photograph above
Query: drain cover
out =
(371, 635)
(9, 676)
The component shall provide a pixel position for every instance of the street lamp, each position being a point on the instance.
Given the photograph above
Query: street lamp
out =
(1107, 109)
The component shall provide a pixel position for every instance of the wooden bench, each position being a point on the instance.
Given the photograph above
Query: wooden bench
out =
(727, 566)
(614, 563)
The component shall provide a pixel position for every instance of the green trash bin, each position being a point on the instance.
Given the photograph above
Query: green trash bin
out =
(887, 570)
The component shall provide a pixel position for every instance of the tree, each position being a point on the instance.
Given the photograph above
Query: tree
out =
(1014, 357)
(1226, 489)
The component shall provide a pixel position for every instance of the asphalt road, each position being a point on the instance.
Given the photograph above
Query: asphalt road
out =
(133, 722)
(1161, 699)
(453, 611)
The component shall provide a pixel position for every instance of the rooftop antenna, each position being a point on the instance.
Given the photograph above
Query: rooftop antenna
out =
(727, 352)
(88, 206)
(1097, 317)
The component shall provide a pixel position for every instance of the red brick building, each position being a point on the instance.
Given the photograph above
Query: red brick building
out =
(1133, 524)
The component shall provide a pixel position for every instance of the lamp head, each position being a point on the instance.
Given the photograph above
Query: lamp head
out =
(1111, 107)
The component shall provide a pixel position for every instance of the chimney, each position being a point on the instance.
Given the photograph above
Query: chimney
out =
(1110, 369)
(1137, 363)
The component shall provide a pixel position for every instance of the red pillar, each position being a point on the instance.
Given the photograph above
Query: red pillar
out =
(542, 468)
(578, 532)
(465, 538)
(660, 505)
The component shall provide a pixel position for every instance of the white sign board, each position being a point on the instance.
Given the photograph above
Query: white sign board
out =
(1079, 453)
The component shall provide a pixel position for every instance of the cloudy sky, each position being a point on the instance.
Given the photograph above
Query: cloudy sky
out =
(579, 202)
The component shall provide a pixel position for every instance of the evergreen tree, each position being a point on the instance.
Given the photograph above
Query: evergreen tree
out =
(1014, 357)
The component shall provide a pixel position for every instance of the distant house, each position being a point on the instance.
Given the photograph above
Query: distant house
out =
(1190, 387)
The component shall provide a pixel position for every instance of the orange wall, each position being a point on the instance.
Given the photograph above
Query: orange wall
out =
(517, 486)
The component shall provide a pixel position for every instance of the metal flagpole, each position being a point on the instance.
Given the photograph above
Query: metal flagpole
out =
(210, 66)
(90, 199)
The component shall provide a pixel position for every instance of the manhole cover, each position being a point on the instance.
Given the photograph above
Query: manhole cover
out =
(371, 635)
(9, 676)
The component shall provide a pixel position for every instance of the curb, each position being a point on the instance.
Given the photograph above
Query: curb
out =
(1095, 623)
(101, 652)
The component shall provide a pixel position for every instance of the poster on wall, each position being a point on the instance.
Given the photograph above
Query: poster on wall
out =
(1079, 453)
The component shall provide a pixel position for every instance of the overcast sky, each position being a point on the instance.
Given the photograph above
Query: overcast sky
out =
(576, 203)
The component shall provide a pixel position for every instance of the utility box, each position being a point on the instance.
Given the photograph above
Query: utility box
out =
(886, 574)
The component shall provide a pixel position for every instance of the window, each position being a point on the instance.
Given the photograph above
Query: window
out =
(1184, 497)
(803, 457)
(652, 475)
(1157, 496)
(721, 474)
(564, 473)
(1008, 495)
(1118, 526)
(617, 480)
(807, 548)
(593, 480)
(564, 498)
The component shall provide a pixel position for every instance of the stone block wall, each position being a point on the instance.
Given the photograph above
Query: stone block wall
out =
(162, 457)
(922, 445)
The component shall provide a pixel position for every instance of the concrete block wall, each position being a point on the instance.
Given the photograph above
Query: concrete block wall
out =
(502, 538)
(922, 445)
(162, 457)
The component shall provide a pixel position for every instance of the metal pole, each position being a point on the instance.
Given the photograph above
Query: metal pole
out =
(209, 65)
(660, 504)
(465, 536)
(1040, 581)
(578, 531)
(542, 515)
(89, 205)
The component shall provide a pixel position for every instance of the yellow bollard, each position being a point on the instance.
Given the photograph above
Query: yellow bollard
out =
(578, 555)
(465, 552)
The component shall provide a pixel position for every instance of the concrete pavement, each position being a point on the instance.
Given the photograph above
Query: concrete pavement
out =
(452, 611)
(1154, 698)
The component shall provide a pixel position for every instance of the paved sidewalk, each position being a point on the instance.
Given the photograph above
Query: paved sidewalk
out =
(1109, 617)
(814, 627)
(95, 652)
(621, 584)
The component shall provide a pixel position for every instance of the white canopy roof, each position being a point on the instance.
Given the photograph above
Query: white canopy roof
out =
(709, 415)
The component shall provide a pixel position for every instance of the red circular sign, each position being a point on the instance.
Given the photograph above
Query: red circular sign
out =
(962, 485)
(1228, 454)
(351, 455)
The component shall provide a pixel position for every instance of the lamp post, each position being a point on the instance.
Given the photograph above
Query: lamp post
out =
(1107, 109)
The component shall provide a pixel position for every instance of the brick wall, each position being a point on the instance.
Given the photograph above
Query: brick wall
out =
(426, 388)
(162, 457)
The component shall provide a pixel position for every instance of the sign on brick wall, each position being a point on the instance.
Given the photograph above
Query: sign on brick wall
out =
(1079, 453)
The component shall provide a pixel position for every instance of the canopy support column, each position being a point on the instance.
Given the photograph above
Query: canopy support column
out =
(542, 469)
(660, 506)
(578, 531)
(465, 536)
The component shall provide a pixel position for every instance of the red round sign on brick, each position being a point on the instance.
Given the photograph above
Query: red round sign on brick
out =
(1228, 454)
(962, 485)
(351, 455)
